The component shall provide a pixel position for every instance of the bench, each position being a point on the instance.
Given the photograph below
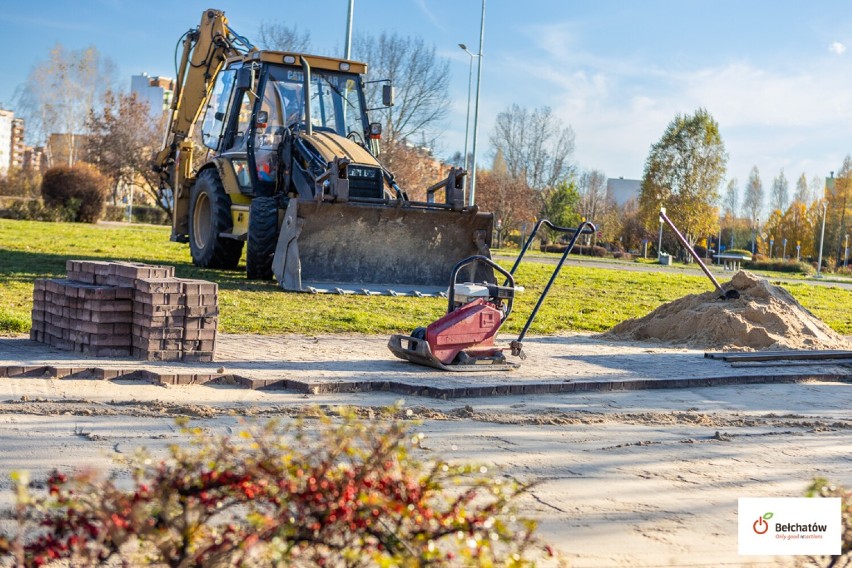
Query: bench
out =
(732, 261)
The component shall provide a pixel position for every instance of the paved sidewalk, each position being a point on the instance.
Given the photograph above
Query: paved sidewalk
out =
(343, 363)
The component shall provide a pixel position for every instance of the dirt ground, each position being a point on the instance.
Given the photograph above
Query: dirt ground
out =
(631, 478)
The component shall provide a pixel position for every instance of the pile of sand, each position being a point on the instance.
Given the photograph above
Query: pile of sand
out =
(764, 317)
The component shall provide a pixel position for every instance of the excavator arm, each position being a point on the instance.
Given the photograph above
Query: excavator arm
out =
(205, 50)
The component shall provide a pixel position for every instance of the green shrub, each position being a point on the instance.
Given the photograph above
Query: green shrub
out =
(322, 492)
(33, 210)
(80, 189)
(578, 249)
(141, 214)
(763, 263)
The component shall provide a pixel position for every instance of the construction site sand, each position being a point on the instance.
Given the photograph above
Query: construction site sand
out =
(763, 317)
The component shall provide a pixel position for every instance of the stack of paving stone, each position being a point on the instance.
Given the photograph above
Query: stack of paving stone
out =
(113, 309)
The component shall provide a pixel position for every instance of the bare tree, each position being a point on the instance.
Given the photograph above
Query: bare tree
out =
(122, 139)
(732, 198)
(753, 203)
(780, 193)
(803, 194)
(420, 79)
(61, 91)
(817, 188)
(592, 187)
(282, 37)
(536, 145)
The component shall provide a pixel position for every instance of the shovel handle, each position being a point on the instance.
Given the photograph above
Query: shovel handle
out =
(692, 252)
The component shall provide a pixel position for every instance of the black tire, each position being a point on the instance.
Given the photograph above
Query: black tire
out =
(210, 215)
(262, 238)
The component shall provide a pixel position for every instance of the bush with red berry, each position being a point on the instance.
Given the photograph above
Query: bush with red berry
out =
(321, 491)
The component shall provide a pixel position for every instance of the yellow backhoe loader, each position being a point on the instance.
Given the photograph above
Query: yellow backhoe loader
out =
(290, 168)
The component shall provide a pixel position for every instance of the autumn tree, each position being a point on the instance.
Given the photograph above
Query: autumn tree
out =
(536, 145)
(61, 91)
(421, 83)
(122, 139)
(683, 173)
(839, 200)
(511, 201)
(780, 193)
(414, 168)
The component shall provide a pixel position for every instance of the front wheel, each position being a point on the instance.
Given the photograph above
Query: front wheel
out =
(262, 238)
(209, 216)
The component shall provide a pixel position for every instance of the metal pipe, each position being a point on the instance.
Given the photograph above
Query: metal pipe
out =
(476, 112)
(697, 259)
(306, 96)
(348, 51)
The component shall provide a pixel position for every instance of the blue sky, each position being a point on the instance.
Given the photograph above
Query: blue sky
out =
(776, 75)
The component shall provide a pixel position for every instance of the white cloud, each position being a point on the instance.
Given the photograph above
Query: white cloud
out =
(837, 48)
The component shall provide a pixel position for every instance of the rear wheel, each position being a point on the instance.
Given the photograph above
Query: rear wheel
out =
(209, 216)
(262, 238)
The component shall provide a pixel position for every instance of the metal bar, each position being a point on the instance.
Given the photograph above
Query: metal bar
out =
(538, 225)
(692, 252)
(745, 354)
(577, 232)
(791, 356)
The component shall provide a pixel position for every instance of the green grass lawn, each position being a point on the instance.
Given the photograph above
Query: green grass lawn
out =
(584, 298)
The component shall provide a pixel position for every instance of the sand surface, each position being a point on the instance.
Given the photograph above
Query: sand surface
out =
(642, 478)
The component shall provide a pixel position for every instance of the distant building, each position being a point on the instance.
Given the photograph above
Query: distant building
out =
(7, 117)
(156, 91)
(35, 158)
(17, 146)
(623, 190)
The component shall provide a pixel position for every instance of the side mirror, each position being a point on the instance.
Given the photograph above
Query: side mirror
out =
(244, 78)
(387, 95)
(262, 118)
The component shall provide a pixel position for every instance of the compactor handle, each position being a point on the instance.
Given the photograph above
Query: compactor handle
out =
(585, 229)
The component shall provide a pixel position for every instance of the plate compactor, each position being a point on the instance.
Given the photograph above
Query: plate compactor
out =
(463, 339)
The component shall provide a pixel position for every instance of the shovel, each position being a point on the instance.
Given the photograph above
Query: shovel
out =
(730, 294)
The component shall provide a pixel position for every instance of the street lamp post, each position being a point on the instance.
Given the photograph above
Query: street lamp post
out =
(754, 234)
(476, 111)
(821, 237)
(771, 245)
(846, 251)
(469, 90)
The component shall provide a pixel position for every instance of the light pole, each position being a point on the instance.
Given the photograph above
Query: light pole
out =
(846, 251)
(821, 236)
(476, 111)
(771, 245)
(348, 47)
(469, 90)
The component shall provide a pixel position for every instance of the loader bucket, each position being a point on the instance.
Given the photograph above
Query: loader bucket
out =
(360, 245)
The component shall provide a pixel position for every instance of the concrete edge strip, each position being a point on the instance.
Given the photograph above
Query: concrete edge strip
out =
(408, 389)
